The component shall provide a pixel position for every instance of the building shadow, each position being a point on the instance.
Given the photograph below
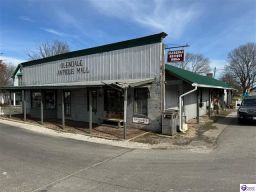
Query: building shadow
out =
(233, 121)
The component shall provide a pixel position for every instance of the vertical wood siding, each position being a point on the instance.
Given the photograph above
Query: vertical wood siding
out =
(131, 63)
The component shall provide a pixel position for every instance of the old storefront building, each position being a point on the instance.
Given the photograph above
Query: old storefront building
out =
(116, 83)
(120, 75)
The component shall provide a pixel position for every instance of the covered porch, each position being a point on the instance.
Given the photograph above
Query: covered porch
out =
(86, 106)
(194, 95)
(79, 127)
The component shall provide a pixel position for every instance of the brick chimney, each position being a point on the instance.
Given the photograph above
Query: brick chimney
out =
(210, 75)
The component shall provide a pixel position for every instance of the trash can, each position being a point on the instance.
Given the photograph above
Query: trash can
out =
(170, 122)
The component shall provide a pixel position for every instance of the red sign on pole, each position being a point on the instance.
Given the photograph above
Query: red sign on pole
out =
(175, 56)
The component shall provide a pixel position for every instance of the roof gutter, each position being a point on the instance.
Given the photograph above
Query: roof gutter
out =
(181, 104)
(211, 86)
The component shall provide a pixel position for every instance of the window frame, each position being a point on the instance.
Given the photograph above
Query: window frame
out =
(135, 100)
(44, 99)
(32, 101)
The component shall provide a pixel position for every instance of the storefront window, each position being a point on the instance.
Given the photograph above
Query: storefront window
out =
(49, 100)
(67, 103)
(18, 98)
(36, 99)
(141, 101)
(113, 100)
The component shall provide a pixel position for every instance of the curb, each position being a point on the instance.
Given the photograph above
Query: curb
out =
(43, 130)
(123, 144)
(211, 134)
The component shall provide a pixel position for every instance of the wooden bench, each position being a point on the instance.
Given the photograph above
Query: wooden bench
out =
(114, 117)
(120, 122)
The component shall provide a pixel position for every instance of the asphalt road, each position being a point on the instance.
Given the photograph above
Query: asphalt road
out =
(34, 162)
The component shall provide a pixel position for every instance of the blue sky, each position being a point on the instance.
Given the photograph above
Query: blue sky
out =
(210, 27)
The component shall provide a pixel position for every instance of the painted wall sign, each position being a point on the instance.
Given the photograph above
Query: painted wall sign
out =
(140, 120)
(72, 67)
(175, 56)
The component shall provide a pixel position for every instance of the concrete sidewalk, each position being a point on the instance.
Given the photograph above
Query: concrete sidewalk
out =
(201, 144)
(210, 138)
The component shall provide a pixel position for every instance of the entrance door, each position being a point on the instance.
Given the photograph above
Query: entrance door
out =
(67, 103)
(113, 103)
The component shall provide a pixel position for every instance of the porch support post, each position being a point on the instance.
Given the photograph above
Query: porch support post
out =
(62, 109)
(125, 111)
(227, 97)
(24, 105)
(10, 104)
(197, 106)
(14, 99)
(209, 112)
(90, 111)
(2, 97)
(42, 108)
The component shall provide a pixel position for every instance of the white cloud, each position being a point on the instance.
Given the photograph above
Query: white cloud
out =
(58, 33)
(11, 60)
(25, 18)
(162, 15)
(53, 31)
(70, 20)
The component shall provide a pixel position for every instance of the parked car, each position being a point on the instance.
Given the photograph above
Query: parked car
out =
(247, 109)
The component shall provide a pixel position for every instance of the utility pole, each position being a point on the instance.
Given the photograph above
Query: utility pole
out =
(214, 72)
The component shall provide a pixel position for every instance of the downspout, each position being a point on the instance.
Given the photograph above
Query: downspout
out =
(181, 104)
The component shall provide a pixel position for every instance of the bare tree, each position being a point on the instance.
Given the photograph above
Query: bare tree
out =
(196, 63)
(200, 64)
(185, 63)
(228, 78)
(242, 65)
(49, 49)
(6, 73)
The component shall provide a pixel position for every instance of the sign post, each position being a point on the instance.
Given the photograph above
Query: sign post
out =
(175, 56)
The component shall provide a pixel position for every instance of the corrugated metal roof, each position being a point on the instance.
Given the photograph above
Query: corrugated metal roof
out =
(195, 78)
